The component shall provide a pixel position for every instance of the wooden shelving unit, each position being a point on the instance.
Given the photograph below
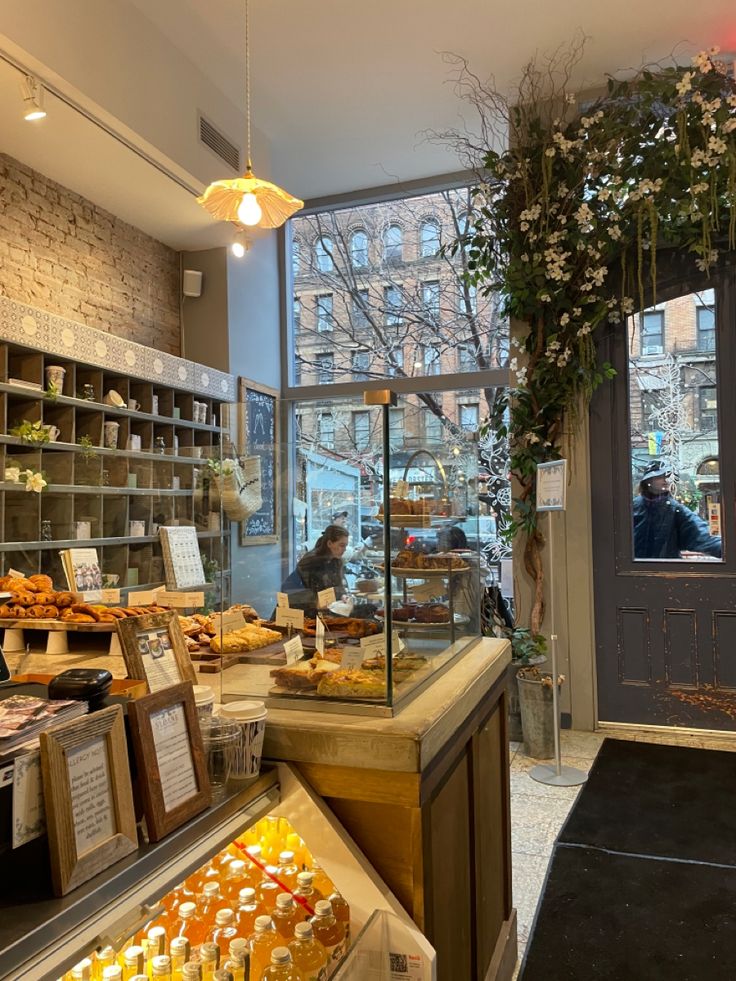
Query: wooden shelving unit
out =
(162, 483)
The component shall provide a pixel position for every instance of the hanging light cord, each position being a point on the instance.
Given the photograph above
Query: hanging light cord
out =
(247, 82)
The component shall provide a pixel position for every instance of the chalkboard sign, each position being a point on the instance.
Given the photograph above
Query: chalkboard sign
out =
(258, 432)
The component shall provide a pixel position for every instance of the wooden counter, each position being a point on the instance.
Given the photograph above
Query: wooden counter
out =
(426, 797)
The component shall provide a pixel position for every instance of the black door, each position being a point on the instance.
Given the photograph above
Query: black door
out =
(665, 601)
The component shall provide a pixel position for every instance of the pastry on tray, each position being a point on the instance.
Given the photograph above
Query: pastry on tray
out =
(304, 675)
(347, 683)
(247, 638)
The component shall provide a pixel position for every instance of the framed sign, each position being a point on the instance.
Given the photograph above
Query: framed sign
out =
(258, 436)
(88, 797)
(552, 485)
(172, 772)
(155, 651)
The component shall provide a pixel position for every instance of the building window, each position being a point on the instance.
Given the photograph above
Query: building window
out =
(652, 332)
(296, 312)
(708, 408)
(393, 244)
(295, 258)
(359, 249)
(360, 304)
(431, 299)
(431, 360)
(325, 367)
(467, 301)
(396, 427)
(432, 426)
(706, 325)
(323, 252)
(327, 430)
(392, 305)
(466, 356)
(361, 362)
(361, 429)
(395, 362)
(324, 312)
(469, 417)
(429, 239)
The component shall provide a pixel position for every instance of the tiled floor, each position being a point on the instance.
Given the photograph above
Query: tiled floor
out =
(538, 811)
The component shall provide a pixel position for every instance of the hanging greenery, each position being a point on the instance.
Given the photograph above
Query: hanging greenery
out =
(580, 198)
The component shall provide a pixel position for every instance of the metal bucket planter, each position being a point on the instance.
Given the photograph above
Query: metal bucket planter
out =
(512, 694)
(537, 717)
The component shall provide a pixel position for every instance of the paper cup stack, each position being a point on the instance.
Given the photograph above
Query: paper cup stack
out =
(246, 753)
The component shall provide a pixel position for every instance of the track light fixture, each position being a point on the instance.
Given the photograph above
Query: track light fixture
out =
(240, 244)
(32, 91)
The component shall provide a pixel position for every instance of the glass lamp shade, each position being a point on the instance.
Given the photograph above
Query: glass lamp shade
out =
(224, 200)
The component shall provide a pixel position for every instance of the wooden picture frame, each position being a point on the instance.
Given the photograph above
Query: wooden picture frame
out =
(170, 758)
(155, 651)
(258, 435)
(88, 797)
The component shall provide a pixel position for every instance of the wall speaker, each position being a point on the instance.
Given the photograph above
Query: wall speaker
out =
(191, 282)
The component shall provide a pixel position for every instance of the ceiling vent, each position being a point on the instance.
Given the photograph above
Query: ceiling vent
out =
(219, 144)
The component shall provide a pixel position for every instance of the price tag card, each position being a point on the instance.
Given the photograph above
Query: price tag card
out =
(374, 646)
(426, 591)
(320, 631)
(111, 596)
(401, 488)
(397, 643)
(182, 601)
(143, 597)
(352, 658)
(227, 622)
(325, 597)
(14, 574)
(293, 649)
(282, 601)
(290, 618)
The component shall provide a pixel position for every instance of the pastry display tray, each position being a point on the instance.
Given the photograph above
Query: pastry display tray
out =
(460, 621)
(29, 623)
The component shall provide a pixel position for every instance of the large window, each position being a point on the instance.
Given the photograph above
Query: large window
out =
(708, 408)
(469, 417)
(429, 239)
(359, 249)
(324, 305)
(393, 244)
(705, 318)
(392, 303)
(323, 254)
(361, 365)
(652, 332)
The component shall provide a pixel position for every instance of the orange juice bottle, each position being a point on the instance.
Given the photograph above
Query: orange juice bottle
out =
(102, 959)
(322, 882)
(133, 961)
(295, 844)
(330, 932)
(341, 909)
(81, 971)
(209, 958)
(247, 910)
(306, 895)
(224, 929)
(268, 889)
(189, 924)
(210, 901)
(307, 953)
(233, 880)
(179, 951)
(286, 915)
(286, 870)
(254, 864)
(236, 962)
(273, 839)
(262, 941)
(155, 945)
(282, 967)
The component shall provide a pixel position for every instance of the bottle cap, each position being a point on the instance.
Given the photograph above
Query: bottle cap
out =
(263, 923)
(222, 974)
(305, 880)
(236, 866)
(238, 947)
(247, 895)
(209, 952)
(224, 916)
(211, 888)
(286, 858)
(186, 910)
(82, 971)
(134, 957)
(323, 907)
(112, 973)
(192, 971)
(180, 946)
(161, 966)
(284, 900)
(254, 850)
(303, 931)
(281, 955)
(139, 977)
(156, 940)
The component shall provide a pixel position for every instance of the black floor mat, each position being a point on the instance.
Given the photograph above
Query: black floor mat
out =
(608, 917)
(665, 801)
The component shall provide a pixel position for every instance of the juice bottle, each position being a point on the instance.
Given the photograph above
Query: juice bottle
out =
(179, 951)
(272, 840)
(306, 895)
(329, 932)
(236, 962)
(112, 973)
(295, 844)
(233, 880)
(103, 958)
(192, 971)
(160, 968)
(133, 962)
(322, 882)
(189, 924)
(208, 873)
(254, 864)
(268, 889)
(341, 909)
(210, 901)
(224, 929)
(286, 915)
(287, 871)
(281, 967)
(262, 941)
(81, 971)
(155, 945)
(209, 958)
(247, 911)
(308, 953)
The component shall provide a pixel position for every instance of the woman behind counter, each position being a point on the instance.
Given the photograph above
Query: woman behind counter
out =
(321, 568)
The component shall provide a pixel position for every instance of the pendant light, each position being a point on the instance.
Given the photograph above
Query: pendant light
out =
(248, 200)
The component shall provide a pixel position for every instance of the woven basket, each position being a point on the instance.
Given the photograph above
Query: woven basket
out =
(240, 487)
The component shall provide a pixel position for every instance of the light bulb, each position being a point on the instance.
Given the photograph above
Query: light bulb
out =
(238, 250)
(249, 210)
(34, 112)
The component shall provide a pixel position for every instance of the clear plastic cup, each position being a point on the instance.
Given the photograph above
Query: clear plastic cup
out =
(221, 737)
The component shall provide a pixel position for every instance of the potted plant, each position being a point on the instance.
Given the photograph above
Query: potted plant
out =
(527, 649)
(537, 711)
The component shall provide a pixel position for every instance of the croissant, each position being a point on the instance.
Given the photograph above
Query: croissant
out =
(24, 599)
(36, 611)
(18, 612)
(44, 583)
(5, 611)
(86, 610)
(64, 599)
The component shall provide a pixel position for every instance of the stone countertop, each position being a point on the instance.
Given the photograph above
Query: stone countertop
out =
(406, 743)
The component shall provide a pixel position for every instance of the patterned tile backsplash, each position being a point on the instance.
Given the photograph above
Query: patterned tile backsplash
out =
(23, 324)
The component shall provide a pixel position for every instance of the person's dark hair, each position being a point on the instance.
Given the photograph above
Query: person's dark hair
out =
(332, 533)
(457, 538)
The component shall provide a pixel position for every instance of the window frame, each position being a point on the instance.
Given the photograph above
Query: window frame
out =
(353, 235)
(701, 308)
(644, 333)
(424, 252)
(323, 320)
(390, 247)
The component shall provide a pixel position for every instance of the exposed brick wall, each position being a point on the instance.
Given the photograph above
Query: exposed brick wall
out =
(61, 253)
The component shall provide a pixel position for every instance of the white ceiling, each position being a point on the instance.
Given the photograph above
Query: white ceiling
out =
(342, 91)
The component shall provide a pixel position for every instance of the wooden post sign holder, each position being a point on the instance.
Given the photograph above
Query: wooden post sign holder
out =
(551, 497)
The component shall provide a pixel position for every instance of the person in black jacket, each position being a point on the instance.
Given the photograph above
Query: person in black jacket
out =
(663, 528)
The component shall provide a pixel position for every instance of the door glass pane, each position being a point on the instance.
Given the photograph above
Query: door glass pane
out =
(673, 428)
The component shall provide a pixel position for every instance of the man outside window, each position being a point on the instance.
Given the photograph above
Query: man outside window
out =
(664, 528)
